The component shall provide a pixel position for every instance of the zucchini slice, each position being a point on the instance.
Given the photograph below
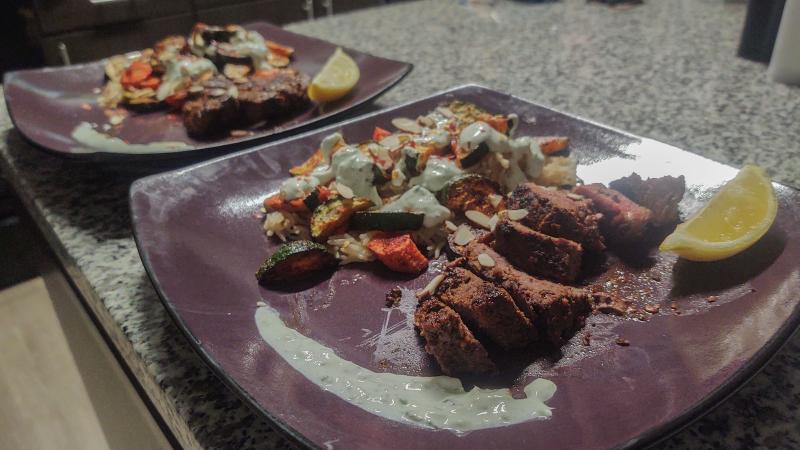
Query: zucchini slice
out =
(468, 158)
(294, 261)
(312, 200)
(472, 192)
(334, 214)
(387, 220)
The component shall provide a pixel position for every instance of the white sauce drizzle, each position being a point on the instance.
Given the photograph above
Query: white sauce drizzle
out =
(525, 158)
(349, 166)
(179, 68)
(422, 201)
(96, 141)
(297, 187)
(430, 402)
(438, 171)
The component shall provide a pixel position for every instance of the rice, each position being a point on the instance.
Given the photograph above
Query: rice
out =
(286, 226)
(431, 240)
(558, 171)
(349, 248)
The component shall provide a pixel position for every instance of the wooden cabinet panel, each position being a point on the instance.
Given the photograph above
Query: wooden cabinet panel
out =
(57, 16)
(274, 11)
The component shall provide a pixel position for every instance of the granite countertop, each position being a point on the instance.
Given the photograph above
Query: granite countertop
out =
(665, 70)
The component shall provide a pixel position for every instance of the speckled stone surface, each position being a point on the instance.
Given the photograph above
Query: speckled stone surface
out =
(665, 70)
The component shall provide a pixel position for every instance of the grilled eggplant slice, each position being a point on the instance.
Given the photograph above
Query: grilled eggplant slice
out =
(294, 261)
(387, 221)
(472, 192)
(335, 214)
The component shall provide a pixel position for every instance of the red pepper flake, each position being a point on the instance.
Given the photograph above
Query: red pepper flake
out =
(712, 298)
(587, 339)
(622, 342)
(673, 305)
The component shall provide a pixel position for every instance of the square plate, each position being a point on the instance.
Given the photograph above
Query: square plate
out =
(46, 105)
(201, 242)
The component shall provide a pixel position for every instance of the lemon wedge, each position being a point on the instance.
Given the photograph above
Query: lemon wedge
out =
(734, 219)
(338, 77)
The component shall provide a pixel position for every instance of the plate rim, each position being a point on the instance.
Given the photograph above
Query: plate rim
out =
(407, 68)
(650, 437)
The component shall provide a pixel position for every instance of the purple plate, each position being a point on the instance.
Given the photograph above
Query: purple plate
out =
(47, 105)
(201, 242)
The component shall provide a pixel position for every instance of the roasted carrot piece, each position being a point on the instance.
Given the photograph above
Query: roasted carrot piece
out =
(379, 133)
(276, 203)
(553, 144)
(398, 253)
(499, 123)
(308, 165)
(151, 83)
(279, 49)
(137, 72)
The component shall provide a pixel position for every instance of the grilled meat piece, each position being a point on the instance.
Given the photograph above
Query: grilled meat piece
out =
(269, 94)
(212, 108)
(554, 213)
(659, 195)
(555, 258)
(557, 311)
(450, 341)
(623, 220)
(485, 308)
(290, 86)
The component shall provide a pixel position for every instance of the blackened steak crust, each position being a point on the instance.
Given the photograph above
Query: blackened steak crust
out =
(555, 213)
(211, 108)
(485, 308)
(536, 253)
(659, 195)
(449, 341)
(623, 220)
(555, 310)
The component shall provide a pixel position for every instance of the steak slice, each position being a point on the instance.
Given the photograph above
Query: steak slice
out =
(450, 341)
(211, 108)
(485, 308)
(555, 213)
(536, 253)
(659, 195)
(557, 311)
(272, 94)
(623, 220)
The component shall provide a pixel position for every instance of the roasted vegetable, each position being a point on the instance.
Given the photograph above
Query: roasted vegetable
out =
(498, 122)
(379, 134)
(387, 220)
(294, 261)
(416, 158)
(398, 253)
(308, 165)
(553, 144)
(467, 158)
(318, 196)
(276, 203)
(333, 215)
(472, 192)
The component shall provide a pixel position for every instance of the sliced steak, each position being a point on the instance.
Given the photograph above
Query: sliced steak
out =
(555, 213)
(211, 108)
(537, 253)
(485, 308)
(557, 311)
(623, 221)
(659, 195)
(290, 87)
(450, 341)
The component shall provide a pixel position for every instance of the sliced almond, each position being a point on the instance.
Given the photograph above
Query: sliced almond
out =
(463, 235)
(431, 287)
(485, 260)
(504, 163)
(495, 199)
(575, 196)
(478, 218)
(391, 141)
(493, 221)
(445, 111)
(344, 191)
(450, 225)
(426, 121)
(406, 124)
(516, 214)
